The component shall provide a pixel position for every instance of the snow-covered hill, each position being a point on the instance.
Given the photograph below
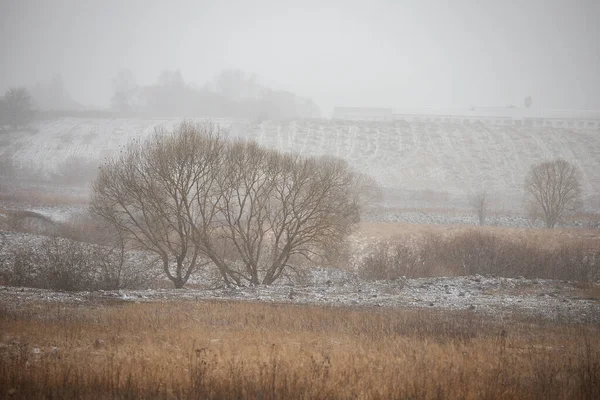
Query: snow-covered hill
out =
(457, 159)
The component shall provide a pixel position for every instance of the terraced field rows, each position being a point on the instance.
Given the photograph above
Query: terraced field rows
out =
(439, 157)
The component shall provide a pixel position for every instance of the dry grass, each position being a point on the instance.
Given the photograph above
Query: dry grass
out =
(590, 292)
(240, 350)
(480, 251)
(35, 197)
(537, 236)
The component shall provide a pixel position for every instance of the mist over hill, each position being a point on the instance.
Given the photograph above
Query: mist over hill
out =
(437, 158)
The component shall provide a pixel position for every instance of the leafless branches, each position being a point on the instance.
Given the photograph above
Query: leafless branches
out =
(553, 190)
(190, 197)
(480, 202)
(145, 194)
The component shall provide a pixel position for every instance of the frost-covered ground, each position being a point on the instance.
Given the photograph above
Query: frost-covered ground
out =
(459, 217)
(493, 296)
(456, 159)
(64, 213)
(490, 295)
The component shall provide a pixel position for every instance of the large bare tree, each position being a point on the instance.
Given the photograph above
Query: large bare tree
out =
(553, 190)
(280, 209)
(146, 193)
(191, 197)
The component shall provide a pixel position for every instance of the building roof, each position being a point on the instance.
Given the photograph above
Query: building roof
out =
(362, 110)
(504, 112)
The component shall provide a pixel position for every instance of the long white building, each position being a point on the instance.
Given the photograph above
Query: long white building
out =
(499, 116)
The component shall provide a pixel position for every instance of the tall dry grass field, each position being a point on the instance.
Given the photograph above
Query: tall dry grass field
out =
(214, 350)
(541, 237)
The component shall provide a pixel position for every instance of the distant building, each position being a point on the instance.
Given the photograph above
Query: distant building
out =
(363, 114)
(497, 116)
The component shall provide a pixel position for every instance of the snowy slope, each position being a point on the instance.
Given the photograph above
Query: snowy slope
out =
(440, 157)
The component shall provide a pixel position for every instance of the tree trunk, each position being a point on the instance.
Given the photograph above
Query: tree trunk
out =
(178, 282)
(254, 279)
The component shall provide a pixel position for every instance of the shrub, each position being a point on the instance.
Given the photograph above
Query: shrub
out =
(391, 260)
(20, 268)
(62, 264)
(478, 252)
(69, 266)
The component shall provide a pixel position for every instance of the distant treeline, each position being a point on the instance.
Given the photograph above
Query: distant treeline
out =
(231, 94)
(103, 114)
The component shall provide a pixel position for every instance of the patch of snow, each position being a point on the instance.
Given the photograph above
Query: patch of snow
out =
(492, 296)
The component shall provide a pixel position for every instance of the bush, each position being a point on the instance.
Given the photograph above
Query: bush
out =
(62, 264)
(478, 252)
(390, 261)
(21, 269)
(70, 266)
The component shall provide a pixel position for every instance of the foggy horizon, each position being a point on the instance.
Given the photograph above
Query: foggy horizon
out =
(381, 54)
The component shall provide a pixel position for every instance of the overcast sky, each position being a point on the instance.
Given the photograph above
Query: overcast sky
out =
(402, 54)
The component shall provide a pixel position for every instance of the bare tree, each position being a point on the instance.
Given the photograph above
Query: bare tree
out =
(479, 202)
(145, 193)
(18, 107)
(553, 190)
(280, 209)
(189, 196)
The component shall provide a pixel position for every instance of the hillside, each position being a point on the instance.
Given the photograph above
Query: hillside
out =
(457, 159)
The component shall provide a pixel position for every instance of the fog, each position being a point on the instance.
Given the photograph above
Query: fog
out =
(398, 54)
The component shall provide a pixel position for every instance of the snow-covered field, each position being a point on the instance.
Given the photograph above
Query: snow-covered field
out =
(456, 159)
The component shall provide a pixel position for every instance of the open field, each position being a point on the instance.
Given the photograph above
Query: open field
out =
(442, 158)
(328, 334)
(199, 349)
(495, 316)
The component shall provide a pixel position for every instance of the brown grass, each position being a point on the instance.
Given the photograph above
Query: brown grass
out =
(480, 251)
(590, 292)
(241, 350)
(35, 197)
(537, 236)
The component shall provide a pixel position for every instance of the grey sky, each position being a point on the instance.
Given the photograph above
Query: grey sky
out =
(453, 53)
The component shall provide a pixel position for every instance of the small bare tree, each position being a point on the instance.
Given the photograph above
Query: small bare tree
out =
(479, 202)
(553, 190)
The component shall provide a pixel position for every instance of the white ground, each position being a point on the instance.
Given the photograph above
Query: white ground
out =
(498, 297)
(456, 159)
